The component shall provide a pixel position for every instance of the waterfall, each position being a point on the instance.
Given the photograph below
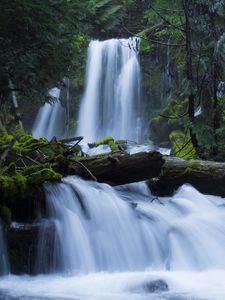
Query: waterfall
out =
(166, 79)
(50, 119)
(111, 101)
(4, 266)
(99, 228)
(102, 242)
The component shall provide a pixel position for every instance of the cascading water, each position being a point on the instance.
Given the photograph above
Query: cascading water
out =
(117, 243)
(50, 118)
(4, 266)
(110, 105)
(99, 228)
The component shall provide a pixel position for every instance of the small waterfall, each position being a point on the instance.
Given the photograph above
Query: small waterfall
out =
(4, 266)
(99, 228)
(111, 101)
(50, 119)
(166, 79)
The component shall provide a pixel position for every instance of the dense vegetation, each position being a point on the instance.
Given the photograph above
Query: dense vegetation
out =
(182, 56)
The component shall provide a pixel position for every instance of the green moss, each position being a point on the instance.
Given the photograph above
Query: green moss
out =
(37, 174)
(6, 185)
(14, 185)
(45, 174)
(10, 170)
(104, 141)
(194, 164)
(108, 140)
(113, 146)
(5, 214)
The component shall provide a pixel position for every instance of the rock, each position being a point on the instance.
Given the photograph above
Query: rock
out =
(156, 286)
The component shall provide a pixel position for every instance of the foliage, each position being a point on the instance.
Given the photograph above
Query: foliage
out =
(38, 40)
(181, 145)
(195, 29)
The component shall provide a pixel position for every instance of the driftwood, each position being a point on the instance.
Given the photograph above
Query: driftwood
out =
(206, 176)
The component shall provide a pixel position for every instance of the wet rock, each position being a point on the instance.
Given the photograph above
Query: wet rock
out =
(156, 286)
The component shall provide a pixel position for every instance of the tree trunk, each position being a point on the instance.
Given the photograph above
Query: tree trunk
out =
(189, 69)
(206, 176)
(119, 169)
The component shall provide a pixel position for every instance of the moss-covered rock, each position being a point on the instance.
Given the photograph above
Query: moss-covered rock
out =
(108, 140)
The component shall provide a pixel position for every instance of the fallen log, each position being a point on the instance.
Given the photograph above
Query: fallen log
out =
(206, 176)
(119, 169)
(166, 173)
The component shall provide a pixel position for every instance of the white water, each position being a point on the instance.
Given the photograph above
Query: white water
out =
(4, 267)
(50, 119)
(111, 243)
(110, 105)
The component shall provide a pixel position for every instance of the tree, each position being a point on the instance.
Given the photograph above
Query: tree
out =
(37, 44)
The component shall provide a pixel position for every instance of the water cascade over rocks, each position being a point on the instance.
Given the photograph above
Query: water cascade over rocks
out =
(111, 101)
(98, 242)
(100, 228)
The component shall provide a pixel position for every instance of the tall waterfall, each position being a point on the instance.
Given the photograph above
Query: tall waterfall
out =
(50, 119)
(111, 101)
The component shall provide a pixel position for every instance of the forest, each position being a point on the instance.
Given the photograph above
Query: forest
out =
(96, 97)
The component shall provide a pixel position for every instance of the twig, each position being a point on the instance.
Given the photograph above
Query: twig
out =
(173, 117)
(154, 41)
(88, 171)
(27, 157)
(165, 20)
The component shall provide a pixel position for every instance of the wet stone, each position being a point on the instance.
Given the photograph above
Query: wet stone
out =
(156, 286)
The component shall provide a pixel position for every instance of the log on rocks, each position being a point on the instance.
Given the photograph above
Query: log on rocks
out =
(206, 176)
(119, 169)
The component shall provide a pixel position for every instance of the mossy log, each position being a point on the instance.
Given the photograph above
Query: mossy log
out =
(119, 169)
(206, 176)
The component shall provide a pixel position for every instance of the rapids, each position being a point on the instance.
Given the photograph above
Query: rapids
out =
(113, 243)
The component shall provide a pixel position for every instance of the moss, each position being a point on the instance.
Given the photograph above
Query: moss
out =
(113, 146)
(108, 140)
(6, 186)
(194, 164)
(104, 141)
(10, 170)
(5, 214)
(12, 186)
(45, 174)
